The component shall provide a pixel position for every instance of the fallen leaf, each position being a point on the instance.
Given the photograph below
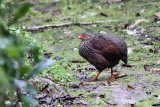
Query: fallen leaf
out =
(120, 75)
(137, 22)
(81, 84)
(157, 15)
(103, 14)
(157, 105)
(130, 87)
(81, 95)
(107, 82)
(150, 50)
(77, 61)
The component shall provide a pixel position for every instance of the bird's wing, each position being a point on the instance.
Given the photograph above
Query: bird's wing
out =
(105, 48)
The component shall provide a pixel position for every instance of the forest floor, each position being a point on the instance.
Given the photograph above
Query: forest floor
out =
(63, 84)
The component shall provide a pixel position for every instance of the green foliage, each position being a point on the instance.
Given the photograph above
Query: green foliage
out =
(39, 68)
(59, 72)
(21, 12)
(14, 72)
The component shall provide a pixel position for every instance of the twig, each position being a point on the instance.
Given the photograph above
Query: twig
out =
(34, 28)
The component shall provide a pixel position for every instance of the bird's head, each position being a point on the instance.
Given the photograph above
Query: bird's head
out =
(85, 36)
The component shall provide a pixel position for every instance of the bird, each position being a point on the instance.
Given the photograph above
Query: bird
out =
(103, 51)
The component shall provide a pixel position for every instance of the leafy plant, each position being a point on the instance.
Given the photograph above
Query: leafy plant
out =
(14, 72)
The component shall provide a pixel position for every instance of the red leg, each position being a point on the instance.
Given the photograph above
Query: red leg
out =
(112, 76)
(94, 78)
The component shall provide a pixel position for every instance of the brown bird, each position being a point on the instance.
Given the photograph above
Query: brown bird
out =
(103, 51)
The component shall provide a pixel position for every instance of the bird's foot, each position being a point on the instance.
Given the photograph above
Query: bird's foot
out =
(112, 77)
(94, 78)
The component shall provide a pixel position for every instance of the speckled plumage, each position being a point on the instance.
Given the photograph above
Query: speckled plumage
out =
(103, 51)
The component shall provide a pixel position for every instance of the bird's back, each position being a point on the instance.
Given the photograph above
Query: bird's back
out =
(119, 43)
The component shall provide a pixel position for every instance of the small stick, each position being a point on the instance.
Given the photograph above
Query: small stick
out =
(34, 28)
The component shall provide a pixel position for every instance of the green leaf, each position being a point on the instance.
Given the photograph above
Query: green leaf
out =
(4, 42)
(40, 67)
(23, 70)
(4, 81)
(21, 12)
(13, 51)
(35, 49)
(2, 6)
(31, 89)
(27, 100)
(18, 31)
(20, 83)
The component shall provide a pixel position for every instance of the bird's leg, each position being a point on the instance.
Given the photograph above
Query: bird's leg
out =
(94, 78)
(112, 76)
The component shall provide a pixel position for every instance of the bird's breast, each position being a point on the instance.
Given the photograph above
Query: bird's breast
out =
(85, 50)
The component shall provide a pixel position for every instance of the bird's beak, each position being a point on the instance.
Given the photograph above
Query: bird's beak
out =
(80, 37)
